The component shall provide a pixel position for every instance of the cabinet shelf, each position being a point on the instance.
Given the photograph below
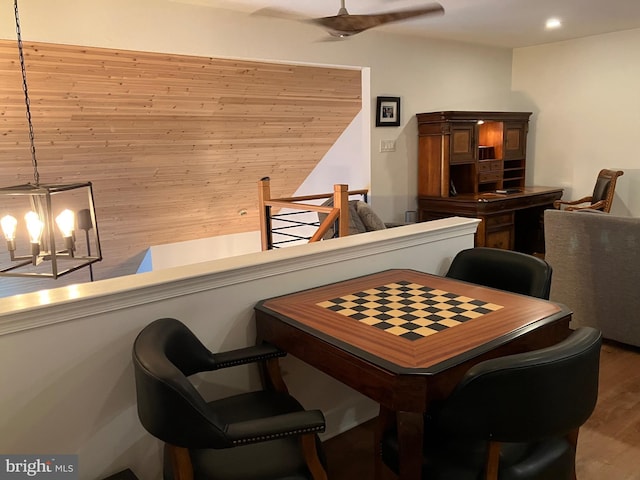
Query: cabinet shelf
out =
(512, 175)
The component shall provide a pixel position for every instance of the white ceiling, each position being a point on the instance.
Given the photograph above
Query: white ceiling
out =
(504, 23)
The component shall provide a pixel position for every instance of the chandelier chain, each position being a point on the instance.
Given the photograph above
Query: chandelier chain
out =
(34, 161)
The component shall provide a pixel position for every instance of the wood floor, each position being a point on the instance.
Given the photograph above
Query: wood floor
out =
(608, 446)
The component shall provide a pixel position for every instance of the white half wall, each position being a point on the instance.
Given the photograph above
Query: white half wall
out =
(172, 255)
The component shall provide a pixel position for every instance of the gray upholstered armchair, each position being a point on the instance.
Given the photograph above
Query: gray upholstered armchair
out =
(596, 260)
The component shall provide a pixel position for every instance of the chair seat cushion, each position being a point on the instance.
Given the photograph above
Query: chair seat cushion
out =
(276, 459)
(552, 458)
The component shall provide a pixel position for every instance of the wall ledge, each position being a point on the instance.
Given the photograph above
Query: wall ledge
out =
(47, 307)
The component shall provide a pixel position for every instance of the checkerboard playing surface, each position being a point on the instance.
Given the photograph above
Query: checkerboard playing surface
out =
(408, 309)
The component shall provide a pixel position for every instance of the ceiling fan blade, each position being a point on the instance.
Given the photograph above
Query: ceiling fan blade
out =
(433, 9)
(279, 13)
(342, 25)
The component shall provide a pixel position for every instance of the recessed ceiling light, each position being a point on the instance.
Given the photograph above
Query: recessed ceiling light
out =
(553, 23)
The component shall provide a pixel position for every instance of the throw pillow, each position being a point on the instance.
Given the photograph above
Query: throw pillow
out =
(369, 218)
(355, 224)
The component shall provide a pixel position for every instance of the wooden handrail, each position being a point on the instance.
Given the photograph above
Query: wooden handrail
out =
(318, 196)
(325, 225)
(339, 212)
(303, 206)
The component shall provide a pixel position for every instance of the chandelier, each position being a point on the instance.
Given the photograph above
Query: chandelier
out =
(40, 222)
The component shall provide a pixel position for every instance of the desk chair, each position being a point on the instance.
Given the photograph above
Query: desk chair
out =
(602, 196)
(249, 436)
(503, 269)
(512, 418)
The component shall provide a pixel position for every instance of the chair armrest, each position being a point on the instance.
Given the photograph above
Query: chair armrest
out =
(270, 428)
(242, 356)
(557, 203)
(594, 206)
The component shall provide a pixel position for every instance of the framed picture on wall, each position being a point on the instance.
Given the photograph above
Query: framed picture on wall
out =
(388, 112)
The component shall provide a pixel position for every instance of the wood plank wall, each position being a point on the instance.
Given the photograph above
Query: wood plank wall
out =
(174, 145)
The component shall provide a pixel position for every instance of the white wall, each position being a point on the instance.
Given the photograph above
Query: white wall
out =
(171, 255)
(65, 354)
(348, 160)
(427, 75)
(586, 102)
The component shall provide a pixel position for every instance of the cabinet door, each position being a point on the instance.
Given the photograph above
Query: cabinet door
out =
(515, 144)
(462, 148)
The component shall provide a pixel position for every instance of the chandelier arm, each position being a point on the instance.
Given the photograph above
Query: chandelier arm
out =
(34, 160)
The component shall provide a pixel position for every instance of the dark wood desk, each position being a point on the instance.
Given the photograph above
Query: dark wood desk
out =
(512, 221)
(405, 338)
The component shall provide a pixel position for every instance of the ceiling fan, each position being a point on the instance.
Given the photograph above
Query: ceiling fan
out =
(345, 24)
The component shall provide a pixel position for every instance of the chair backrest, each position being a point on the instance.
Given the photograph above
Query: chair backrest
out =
(605, 187)
(603, 248)
(503, 269)
(529, 396)
(169, 407)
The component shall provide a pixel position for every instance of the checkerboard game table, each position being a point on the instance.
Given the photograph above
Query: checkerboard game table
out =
(404, 339)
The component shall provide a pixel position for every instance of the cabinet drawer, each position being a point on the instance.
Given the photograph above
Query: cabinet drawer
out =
(490, 166)
(484, 166)
(499, 220)
(496, 231)
(500, 239)
(489, 177)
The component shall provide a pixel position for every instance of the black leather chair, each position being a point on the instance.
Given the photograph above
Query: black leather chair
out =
(503, 269)
(264, 434)
(514, 417)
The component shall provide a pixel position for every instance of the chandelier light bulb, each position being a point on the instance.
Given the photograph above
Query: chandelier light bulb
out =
(9, 225)
(66, 222)
(35, 226)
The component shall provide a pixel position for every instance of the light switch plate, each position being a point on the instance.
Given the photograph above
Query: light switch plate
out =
(387, 145)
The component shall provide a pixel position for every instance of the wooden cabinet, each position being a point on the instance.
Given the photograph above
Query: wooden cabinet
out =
(471, 152)
(463, 158)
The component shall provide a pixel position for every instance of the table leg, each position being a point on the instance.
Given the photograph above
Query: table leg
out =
(410, 438)
(386, 420)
